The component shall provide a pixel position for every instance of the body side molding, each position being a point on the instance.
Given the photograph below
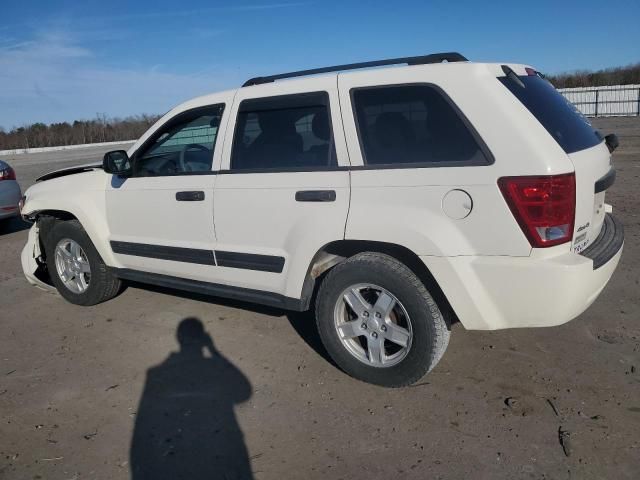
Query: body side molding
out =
(176, 254)
(250, 261)
(246, 261)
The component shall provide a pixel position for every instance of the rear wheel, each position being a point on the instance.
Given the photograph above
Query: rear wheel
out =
(378, 321)
(76, 268)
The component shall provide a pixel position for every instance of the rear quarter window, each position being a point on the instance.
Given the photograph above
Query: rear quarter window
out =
(564, 122)
(414, 125)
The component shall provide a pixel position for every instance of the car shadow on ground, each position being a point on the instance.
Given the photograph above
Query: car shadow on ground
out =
(12, 225)
(252, 307)
(303, 323)
(185, 424)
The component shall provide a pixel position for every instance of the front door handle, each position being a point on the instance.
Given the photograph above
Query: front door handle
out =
(196, 196)
(316, 196)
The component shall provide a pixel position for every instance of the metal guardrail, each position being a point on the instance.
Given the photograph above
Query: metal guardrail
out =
(618, 100)
(20, 151)
(203, 134)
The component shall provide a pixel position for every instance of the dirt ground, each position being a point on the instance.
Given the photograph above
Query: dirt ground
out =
(109, 392)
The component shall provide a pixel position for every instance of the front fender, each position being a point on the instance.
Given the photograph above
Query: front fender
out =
(82, 196)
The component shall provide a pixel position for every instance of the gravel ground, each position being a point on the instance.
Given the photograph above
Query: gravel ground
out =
(94, 393)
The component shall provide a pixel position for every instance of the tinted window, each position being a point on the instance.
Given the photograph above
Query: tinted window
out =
(558, 116)
(183, 145)
(285, 132)
(412, 124)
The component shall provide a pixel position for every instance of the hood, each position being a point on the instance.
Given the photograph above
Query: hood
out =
(69, 171)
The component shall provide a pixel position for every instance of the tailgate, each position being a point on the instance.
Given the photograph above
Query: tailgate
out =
(594, 174)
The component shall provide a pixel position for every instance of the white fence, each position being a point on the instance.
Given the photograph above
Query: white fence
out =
(612, 101)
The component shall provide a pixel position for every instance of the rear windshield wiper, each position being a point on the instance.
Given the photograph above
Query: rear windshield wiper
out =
(513, 76)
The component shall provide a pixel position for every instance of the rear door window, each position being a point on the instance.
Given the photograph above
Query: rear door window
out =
(289, 132)
(564, 122)
(414, 124)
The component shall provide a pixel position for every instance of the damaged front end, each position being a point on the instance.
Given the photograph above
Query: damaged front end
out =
(34, 263)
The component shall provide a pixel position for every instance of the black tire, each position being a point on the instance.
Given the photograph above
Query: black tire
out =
(430, 331)
(103, 285)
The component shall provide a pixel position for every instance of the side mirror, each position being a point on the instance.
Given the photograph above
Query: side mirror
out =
(117, 162)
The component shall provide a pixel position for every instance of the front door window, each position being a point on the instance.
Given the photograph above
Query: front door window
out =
(184, 145)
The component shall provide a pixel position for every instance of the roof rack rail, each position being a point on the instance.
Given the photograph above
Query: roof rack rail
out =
(419, 60)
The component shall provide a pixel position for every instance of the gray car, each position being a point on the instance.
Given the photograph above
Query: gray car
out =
(9, 192)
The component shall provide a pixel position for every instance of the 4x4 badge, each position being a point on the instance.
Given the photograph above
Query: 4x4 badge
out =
(586, 225)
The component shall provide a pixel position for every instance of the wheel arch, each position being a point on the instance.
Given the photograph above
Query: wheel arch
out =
(337, 251)
(47, 217)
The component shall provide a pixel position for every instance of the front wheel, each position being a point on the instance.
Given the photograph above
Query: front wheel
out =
(75, 266)
(378, 322)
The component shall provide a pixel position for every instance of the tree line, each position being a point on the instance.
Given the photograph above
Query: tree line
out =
(99, 129)
(609, 76)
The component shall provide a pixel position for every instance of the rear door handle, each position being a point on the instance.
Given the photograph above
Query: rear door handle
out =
(196, 196)
(316, 196)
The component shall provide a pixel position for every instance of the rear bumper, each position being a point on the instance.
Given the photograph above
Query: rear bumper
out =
(608, 243)
(549, 288)
(8, 212)
(9, 197)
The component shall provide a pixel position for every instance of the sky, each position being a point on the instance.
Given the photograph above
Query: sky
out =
(68, 60)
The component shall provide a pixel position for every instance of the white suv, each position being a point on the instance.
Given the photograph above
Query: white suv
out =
(395, 201)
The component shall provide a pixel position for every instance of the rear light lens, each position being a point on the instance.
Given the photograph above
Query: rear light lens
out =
(7, 173)
(544, 206)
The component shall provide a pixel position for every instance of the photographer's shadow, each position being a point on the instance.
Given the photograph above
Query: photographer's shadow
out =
(185, 425)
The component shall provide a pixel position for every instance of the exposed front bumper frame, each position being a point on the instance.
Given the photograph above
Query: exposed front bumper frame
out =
(31, 253)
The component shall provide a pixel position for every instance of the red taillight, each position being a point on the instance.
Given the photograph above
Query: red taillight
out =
(544, 206)
(7, 173)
